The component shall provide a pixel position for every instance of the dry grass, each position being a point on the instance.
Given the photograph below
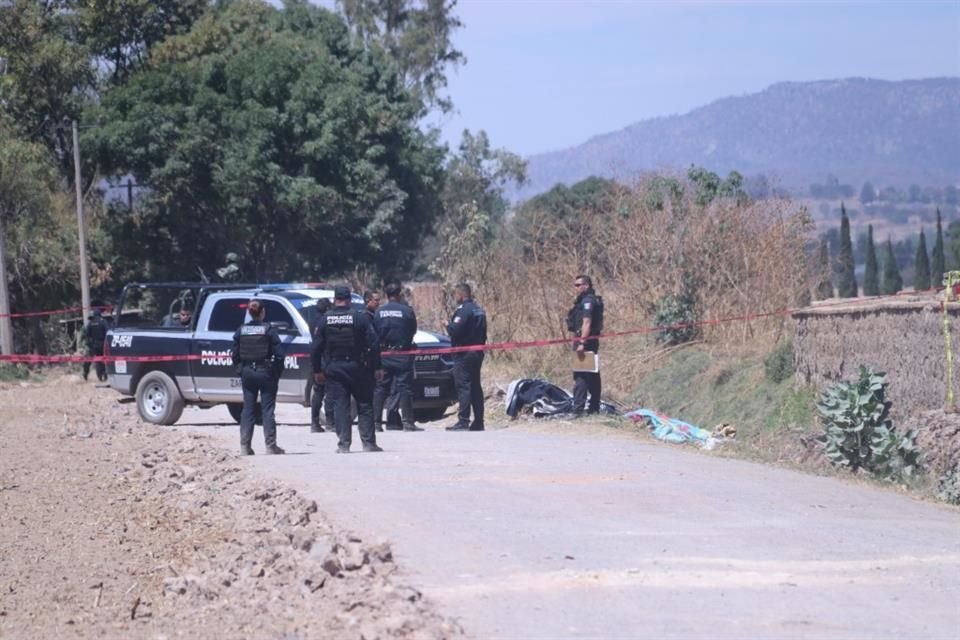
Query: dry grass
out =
(736, 258)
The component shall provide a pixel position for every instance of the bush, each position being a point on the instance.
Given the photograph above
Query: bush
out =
(778, 366)
(676, 319)
(858, 433)
(948, 487)
(11, 372)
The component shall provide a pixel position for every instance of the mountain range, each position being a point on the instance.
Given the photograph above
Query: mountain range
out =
(893, 133)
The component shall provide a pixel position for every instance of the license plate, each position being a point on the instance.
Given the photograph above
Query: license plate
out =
(431, 392)
(120, 366)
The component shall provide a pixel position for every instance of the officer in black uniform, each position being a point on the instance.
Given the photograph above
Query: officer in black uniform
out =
(319, 391)
(396, 324)
(371, 299)
(584, 320)
(258, 355)
(93, 336)
(468, 326)
(346, 358)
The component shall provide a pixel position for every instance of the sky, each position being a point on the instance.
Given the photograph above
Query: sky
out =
(543, 75)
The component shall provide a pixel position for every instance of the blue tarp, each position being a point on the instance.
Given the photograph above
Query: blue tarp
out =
(672, 430)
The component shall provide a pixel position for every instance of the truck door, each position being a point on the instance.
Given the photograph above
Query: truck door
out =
(296, 347)
(214, 375)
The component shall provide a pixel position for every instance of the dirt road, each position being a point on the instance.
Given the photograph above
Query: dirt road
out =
(113, 529)
(563, 531)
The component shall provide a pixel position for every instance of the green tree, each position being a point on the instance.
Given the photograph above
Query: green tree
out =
(937, 260)
(871, 275)
(50, 74)
(825, 286)
(26, 181)
(921, 265)
(563, 208)
(268, 130)
(709, 185)
(474, 206)
(847, 285)
(418, 38)
(120, 34)
(892, 282)
(59, 54)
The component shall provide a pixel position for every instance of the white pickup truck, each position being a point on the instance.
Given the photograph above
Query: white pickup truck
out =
(191, 365)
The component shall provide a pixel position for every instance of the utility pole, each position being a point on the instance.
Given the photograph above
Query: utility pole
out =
(81, 231)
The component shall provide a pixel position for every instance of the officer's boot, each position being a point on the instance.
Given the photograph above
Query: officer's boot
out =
(406, 413)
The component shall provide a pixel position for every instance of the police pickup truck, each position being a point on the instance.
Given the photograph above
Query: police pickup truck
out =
(166, 359)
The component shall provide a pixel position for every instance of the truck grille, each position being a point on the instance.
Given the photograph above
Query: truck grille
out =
(429, 364)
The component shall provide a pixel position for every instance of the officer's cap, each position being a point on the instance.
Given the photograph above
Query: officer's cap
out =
(341, 293)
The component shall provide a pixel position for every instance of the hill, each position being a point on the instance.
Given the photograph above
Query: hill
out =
(794, 133)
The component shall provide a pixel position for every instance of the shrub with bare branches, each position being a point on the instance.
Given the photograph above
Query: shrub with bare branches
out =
(734, 257)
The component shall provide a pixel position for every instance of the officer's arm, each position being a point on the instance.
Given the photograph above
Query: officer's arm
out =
(584, 330)
(373, 344)
(413, 325)
(316, 351)
(276, 344)
(457, 324)
(587, 309)
(234, 350)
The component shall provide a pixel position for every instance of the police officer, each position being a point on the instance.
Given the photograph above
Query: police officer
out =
(585, 319)
(396, 324)
(346, 358)
(371, 299)
(258, 354)
(318, 392)
(94, 333)
(468, 326)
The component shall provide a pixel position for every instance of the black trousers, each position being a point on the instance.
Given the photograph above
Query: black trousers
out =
(258, 380)
(101, 367)
(583, 383)
(346, 379)
(316, 403)
(466, 377)
(397, 382)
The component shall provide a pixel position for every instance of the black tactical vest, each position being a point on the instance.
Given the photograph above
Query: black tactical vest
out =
(253, 344)
(340, 334)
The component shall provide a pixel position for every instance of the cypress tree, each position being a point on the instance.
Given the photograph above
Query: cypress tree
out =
(871, 276)
(921, 265)
(937, 262)
(892, 282)
(825, 286)
(847, 283)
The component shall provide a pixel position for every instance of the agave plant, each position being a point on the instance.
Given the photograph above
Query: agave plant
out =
(858, 433)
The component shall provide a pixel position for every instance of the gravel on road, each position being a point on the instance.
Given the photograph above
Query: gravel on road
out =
(112, 528)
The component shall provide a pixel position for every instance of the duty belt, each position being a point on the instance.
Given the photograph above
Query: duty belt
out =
(256, 364)
(394, 347)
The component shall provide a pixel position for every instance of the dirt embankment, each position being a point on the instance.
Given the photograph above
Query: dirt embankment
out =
(111, 528)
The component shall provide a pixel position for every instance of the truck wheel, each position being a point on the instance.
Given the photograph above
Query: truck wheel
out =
(236, 410)
(158, 399)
